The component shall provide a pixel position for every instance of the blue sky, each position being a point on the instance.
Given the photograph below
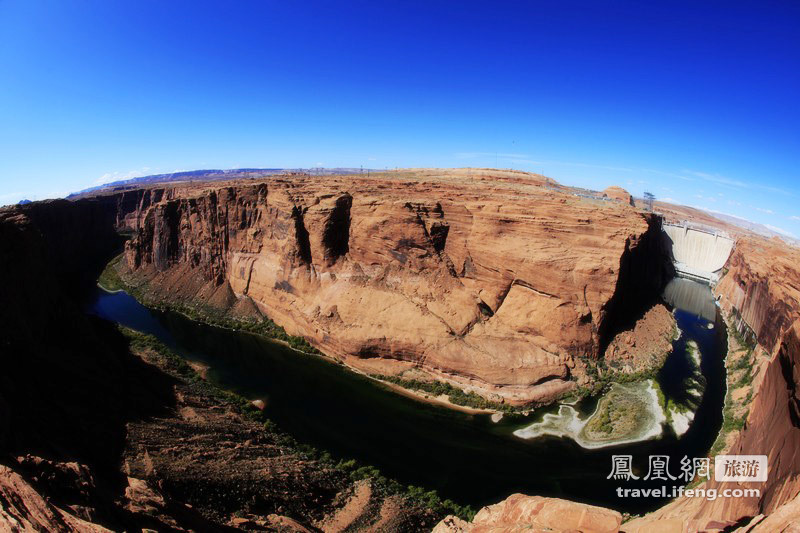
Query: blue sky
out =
(694, 101)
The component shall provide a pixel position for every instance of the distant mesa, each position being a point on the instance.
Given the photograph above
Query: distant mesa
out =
(216, 175)
(618, 193)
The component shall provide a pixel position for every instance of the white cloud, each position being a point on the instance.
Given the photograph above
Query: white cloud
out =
(722, 180)
(793, 217)
(716, 178)
(109, 177)
(662, 173)
(11, 195)
(473, 155)
(707, 198)
(767, 211)
(781, 231)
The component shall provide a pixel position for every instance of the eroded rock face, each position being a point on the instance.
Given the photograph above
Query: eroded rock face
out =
(491, 282)
(646, 345)
(519, 513)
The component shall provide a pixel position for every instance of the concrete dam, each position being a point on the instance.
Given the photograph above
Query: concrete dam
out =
(698, 254)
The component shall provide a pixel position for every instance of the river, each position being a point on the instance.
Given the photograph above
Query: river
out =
(465, 457)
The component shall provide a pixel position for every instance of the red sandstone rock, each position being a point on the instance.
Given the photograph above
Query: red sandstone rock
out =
(519, 513)
(646, 345)
(619, 194)
(22, 508)
(762, 286)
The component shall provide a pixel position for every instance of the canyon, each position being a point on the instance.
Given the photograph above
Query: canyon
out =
(500, 283)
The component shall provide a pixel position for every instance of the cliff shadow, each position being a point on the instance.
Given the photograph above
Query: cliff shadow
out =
(69, 383)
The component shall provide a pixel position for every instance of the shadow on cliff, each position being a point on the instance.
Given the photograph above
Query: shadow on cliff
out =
(645, 268)
(68, 382)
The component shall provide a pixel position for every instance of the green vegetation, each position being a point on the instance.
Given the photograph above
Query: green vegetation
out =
(178, 367)
(744, 380)
(744, 364)
(110, 280)
(454, 394)
(740, 338)
(669, 406)
(619, 414)
(604, 376)
(215, 317)
(602, 423)
(730, 422)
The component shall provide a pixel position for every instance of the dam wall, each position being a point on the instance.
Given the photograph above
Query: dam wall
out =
(698, 254)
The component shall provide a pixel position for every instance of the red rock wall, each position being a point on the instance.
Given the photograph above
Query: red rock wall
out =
(762, 287)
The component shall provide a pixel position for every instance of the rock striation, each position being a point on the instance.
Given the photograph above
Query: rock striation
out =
(495, 283)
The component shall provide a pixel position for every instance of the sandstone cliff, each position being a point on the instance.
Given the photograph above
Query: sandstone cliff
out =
(496, 282)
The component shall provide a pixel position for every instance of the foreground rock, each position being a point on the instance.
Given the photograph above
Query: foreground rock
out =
(520, 513)
(490, 281)
(205, 457)
(22, 508)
